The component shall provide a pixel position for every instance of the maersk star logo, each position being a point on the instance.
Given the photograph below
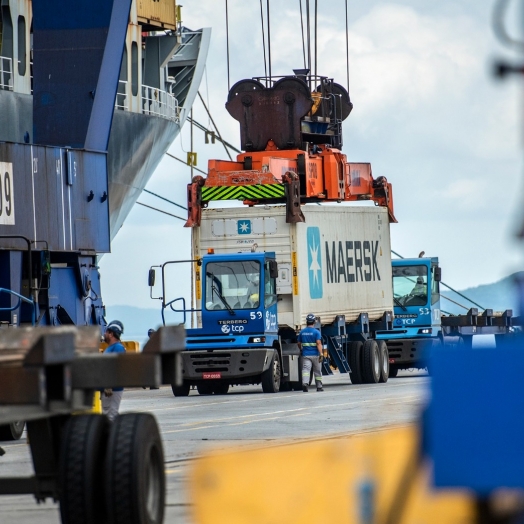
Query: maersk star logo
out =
(314, 267)
(314, 259)
(244, 227)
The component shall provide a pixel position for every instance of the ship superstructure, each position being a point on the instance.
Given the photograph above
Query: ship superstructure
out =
(162, 65)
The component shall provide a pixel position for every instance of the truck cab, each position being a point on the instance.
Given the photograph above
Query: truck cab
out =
(417, 322)
(238, 297)
(237, 339)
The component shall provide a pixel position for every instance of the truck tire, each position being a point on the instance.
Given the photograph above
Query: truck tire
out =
(393, 371)
(181, 391)
(134, 471)
(371, 362)
(12, 431)
(205, 389)
(355, 359)
(384, 360)
(81, 474)
(221, 389)
(271, 377)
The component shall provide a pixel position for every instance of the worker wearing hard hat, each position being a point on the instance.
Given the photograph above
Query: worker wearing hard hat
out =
(111, 397)
(310, 344)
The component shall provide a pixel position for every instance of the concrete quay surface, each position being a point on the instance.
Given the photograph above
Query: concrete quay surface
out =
(245, 416)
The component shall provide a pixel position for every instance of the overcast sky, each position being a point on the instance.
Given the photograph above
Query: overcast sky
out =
(427, 114)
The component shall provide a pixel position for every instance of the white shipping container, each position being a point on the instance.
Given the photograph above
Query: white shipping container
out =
(336, 263)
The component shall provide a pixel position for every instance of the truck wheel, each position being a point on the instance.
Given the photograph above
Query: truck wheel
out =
(393, 371)
(271, 377)
(181, 391)
(355, 353)
(384, 360)
(12, 431)
(81, 475)
(134, 471)
(221, 389)
(370, 362)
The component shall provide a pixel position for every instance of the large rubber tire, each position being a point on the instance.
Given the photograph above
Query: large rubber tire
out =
(370, 362)
(393, 372)
(384, 360)
(205, 389)
(355, 359)
(81, 474)
(272, 376)
(221, 388)
(12, 431)
(135, 481)
(181, 391)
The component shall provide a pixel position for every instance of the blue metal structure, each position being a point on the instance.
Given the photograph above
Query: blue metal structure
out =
(473, 428)
(54, 216)
(77, 49)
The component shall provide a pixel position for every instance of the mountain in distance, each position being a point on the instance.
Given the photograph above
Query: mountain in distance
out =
(137, 321)
(498, 296)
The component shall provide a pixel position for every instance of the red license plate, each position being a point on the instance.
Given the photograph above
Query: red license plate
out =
(214, 374)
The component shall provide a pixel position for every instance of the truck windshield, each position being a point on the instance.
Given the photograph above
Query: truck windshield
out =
(410, 285)
(232, 285)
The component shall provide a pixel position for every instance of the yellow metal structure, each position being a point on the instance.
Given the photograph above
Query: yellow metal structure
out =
(97, 403)
(326, 482)
(157, 13)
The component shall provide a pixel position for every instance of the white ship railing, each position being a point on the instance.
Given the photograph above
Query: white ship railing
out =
(121, 96)
(159, 103)
(6, 73)
(154, 102)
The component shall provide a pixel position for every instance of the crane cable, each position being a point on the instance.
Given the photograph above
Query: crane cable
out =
(214, 125)
(308, 39)
(227, 47)
(263, 37)
(316, 47)
(347, 45)
(268, 40)
(161, 211)
(302, 30)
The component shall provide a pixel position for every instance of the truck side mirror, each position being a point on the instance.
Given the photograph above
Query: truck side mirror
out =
(437, 275)
(151, 277)
(273, 269)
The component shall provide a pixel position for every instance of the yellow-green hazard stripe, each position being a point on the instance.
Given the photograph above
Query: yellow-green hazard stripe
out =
(255, 192)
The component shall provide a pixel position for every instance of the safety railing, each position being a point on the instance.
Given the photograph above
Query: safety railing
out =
(6, 73)
(159, 103)
(121, 96)
(154, 102)
(18, 304)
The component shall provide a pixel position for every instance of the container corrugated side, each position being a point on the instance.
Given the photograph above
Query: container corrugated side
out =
(336, 263)
(344, 263)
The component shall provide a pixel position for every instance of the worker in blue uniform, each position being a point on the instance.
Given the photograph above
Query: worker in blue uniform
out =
(111, 397)
(310, 344)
